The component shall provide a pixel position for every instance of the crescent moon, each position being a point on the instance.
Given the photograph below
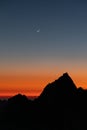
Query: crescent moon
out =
(38, 30)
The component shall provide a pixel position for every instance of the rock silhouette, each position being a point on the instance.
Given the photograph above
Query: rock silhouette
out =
(60, 106)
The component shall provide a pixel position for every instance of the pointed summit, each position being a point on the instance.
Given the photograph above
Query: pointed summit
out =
(65, 74)
(62, 87)
(66, 81)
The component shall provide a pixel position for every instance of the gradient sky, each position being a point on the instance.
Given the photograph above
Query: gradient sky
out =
(40, 40)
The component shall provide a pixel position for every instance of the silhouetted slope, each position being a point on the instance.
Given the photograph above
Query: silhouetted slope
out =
(59, 100)
(61, 106)
(18, 98)
(63, 87)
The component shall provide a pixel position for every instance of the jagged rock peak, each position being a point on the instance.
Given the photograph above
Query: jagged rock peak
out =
(65, 75)
(64, 85)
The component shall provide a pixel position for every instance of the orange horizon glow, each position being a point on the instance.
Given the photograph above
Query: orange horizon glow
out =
(33, 85)
(26, 85)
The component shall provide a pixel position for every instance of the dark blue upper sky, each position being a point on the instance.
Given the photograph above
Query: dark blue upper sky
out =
(47, 33)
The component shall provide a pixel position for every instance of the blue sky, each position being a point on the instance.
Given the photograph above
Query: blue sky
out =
(60, 43)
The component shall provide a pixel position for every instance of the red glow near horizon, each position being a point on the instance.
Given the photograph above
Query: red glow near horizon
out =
(32, 85)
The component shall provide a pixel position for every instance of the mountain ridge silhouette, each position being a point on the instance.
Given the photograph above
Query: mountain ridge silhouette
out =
(61, 105)
(64, 82)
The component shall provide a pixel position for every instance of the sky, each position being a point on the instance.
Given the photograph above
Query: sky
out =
(39, 41)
